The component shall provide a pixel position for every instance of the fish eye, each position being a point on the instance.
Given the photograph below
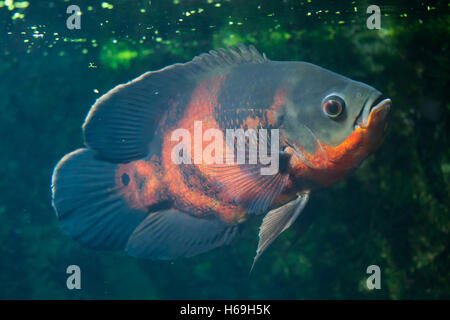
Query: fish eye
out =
(333, 106)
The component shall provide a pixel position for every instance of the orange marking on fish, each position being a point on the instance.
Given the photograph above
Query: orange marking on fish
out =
(279, 101)
(252, 123)
(329, 164)
(195, 197)
(139, 183)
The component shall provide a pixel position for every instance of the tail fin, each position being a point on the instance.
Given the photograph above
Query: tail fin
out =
(88, 204)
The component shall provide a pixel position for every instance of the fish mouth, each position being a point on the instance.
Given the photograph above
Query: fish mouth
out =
(375, 112)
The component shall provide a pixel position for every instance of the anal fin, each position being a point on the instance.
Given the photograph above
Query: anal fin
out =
(171, 234)
(278, 220)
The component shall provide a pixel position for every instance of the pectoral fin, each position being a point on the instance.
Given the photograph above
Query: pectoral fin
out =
(278, 220)
(247, 187)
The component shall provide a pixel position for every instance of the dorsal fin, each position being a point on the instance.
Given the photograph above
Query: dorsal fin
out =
(121, 124)
(231, 56)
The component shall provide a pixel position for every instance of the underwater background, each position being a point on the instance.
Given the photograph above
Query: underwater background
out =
(392, 212)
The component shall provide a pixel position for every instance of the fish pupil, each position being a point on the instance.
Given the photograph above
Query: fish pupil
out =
(333, 108)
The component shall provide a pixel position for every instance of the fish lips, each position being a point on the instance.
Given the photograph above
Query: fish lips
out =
(375, 115)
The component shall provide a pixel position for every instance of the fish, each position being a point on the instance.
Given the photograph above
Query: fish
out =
(140, 184)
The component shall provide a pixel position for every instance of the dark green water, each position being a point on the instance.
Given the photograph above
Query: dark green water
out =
(393, 212)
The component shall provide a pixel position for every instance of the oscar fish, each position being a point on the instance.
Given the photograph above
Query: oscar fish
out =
(124, 191)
